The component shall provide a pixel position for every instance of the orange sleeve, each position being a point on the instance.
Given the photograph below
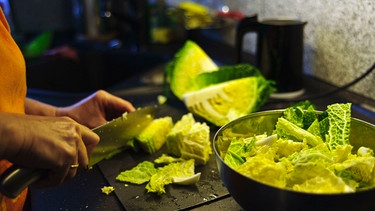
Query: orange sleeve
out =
(12, 95)
(12, 72)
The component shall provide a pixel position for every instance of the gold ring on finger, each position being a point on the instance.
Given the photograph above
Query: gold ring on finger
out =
(73, 166)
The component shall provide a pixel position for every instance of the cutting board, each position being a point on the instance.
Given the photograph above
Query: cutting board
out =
(177, 197)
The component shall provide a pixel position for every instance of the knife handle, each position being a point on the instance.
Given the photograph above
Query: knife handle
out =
(15, 179)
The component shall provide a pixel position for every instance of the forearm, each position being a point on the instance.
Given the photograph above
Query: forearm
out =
(35, 107)
(10, 131)
(3, 140)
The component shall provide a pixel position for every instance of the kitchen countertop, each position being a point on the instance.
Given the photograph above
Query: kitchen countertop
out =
(84, 191)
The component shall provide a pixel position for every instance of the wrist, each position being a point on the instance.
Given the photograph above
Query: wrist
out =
(38, 108)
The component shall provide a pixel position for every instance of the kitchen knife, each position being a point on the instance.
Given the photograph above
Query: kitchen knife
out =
(114, 136)
(119, 133)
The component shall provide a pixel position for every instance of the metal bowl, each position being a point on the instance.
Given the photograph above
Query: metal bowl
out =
(253, 195)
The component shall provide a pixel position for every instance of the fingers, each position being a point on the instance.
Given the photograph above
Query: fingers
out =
(114, 106)
(96, 109)
(89, 141)
(69, 142)
(117, 102)
(86, 143)
(71, 154)
(53, 178)
(84, 146)
(73, 166)
(80, 157)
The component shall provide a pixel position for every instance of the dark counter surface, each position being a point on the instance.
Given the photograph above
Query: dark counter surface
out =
(84, 191)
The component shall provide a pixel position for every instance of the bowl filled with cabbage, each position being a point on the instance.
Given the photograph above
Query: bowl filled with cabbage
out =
(298, 158)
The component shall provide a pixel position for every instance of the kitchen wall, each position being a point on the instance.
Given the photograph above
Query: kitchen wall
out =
(339, 36)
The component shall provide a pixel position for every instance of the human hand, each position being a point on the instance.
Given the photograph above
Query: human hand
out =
(96, 109)
(49, 143)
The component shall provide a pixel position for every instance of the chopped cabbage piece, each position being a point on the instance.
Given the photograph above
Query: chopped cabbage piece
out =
(154, 136)
(301, 114)
(177, 133)
(217, 94)
(188, 62)
(234, 156)
(167, 159)
(289, 130)
(265, 170)
(286, 147)
(241, 148)
(359, 169)
(196, 144)
(339, 124)
(162, 99)
(179, 172)
(190, 139)
(139, 174)
(187, 180)
(165, 175)
(319, 180)
(224, 102)
(107, 189)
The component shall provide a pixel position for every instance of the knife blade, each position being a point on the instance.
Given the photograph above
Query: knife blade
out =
(114, 136)
(117, 133)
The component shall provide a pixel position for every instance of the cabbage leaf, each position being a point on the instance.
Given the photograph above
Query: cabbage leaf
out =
(139, 174)
(165, 175)
(339, 124)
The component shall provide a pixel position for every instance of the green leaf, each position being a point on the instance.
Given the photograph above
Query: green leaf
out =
(339, 116)
(289, 130)
(226, 73)
(302, 114)
(165, 175)
(139, 174)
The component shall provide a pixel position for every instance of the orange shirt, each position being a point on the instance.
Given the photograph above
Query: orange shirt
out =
(12, 94)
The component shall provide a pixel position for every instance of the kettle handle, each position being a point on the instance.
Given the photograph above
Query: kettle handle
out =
(247, 24)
